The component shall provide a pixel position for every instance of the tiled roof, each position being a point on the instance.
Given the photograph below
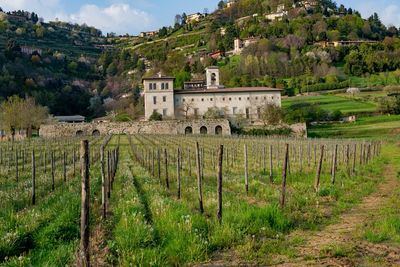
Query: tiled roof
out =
(228, 90)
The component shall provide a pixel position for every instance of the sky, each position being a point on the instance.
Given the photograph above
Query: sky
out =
(134, 16)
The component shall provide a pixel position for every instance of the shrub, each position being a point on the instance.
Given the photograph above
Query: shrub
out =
(156, 116)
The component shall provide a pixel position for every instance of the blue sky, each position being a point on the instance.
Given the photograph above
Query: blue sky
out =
(133, 16)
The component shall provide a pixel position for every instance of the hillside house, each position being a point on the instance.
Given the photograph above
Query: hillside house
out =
(193, 18)
(239, 44)
(148, 34)
(29, 50)
(230, 3)
(197, 97)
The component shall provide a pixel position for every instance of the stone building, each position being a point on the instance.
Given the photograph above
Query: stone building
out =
(201, 96)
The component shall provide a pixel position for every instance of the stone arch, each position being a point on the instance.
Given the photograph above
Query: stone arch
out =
(218, 130)
(203, 130)
(79, 133)
(96, 133)
(188, 130)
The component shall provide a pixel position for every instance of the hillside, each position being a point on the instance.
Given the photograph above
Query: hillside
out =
(54, 62)
(280, 40)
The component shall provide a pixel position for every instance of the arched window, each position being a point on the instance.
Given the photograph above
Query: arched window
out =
(167, 86)
(188, 130)
(79, 133)
(203, 130)
(96, 133)
(162, 86)
(218, 130)
(151, 86)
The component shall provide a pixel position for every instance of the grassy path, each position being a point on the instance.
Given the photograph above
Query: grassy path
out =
(339, 244)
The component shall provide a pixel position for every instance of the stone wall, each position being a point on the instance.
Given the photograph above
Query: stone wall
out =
(211, 127)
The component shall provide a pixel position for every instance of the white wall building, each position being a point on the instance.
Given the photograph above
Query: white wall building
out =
(198, 97)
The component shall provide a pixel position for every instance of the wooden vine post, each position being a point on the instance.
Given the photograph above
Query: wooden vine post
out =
(52, 171)
(319, 170)
(103, 184)
(334, 167)
(284, 176)
(33, 178)
(85, 199)
(220, 163)
(199, 178)
(166, 168)
(178, 173)
(271, 166)
(246, 171)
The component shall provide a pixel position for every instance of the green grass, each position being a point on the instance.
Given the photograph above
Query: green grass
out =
(376, 127)
(149, 226)
(152, 227)
(332, 103)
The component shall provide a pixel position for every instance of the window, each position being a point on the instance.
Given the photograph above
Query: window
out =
(202, 100)
(230, 99)
(151, 86)
(192, 99)
(164, 99)
(154, 100)
(234, 110)
(258, 112)
(167, 86)
(223, 99)
(165, 112)
(154, 86)
(256, 97)
(196, 112)
(248, 98)
(211, 99)
(265, 98)
(247, 113)
(240, 99)
(162, 86)
(183, 100)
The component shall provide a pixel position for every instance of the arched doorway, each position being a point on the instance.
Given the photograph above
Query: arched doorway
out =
(79, 133)
(203, 130)
(218, 130)
(188, 130)
(96, 133)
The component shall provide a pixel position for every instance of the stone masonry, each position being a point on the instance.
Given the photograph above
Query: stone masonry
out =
(211, 127)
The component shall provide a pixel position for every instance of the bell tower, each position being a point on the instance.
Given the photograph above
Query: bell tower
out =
(212, 75)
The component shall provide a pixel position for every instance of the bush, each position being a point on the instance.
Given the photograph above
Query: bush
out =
(266, 132)
(156, 116)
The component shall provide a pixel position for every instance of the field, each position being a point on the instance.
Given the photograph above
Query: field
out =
(164, 208)
(377, 127)
(346, 105)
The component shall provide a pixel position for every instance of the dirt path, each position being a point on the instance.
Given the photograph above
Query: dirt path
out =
(319, 248)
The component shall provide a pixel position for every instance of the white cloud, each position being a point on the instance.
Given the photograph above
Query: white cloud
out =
(119, 18)
(44, 8)
(391, 15)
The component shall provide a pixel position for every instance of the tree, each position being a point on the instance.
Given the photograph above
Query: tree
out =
(221, 5)
(271, 114)
(212, 113)
(185, 108)
(17, 114)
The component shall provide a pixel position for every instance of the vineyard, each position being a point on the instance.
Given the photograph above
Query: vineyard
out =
(154, 200)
